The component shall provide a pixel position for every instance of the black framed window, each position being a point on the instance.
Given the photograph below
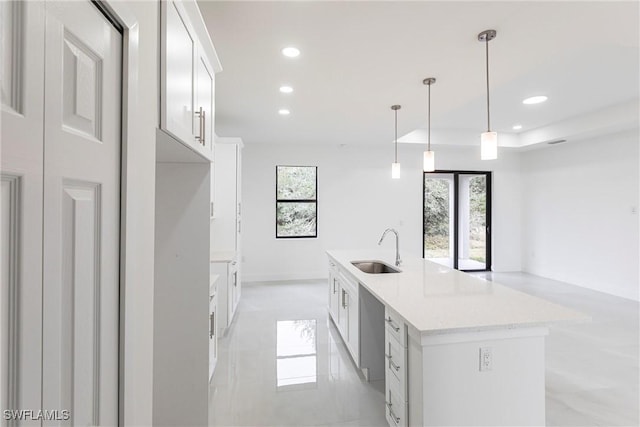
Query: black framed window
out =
(296, 201)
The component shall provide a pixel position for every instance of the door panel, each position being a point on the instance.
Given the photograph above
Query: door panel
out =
(472, 222)
(81, 220)
(439, 218)
(22, 38)
(80, 301)
(179, 89)
(205, 101)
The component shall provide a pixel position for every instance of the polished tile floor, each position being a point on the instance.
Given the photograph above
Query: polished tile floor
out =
(283, 362)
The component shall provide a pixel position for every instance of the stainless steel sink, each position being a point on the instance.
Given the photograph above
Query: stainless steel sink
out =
(374, 267)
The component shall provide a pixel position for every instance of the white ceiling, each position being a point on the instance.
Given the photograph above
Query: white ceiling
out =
(359, 58)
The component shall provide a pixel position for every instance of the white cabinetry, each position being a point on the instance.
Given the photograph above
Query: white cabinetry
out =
(213, 322)
(344, 308)
(188, 65)
(227, 199)
(225, 265)
(395, 369)
(185, 309)
(334, 291)
(226, 226)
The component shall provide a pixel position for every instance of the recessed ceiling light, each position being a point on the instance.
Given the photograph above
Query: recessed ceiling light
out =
(286, 89)
(517, 127)
(535, 100)
(291, 52)
(284, 112)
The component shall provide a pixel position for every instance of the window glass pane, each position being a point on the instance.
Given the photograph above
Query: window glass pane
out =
(296, 219)
(438, 217)
(473, 222)
(296, 182)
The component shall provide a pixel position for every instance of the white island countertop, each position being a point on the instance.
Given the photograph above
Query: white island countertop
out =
(435, 299)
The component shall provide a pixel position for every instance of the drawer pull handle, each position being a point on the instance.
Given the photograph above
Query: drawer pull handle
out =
(390, 322)
(392, 363)
(393, 416)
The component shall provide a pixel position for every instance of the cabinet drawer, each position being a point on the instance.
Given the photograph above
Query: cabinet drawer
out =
(349, 284)
(395, 326)
(396, 360)
(396, 405)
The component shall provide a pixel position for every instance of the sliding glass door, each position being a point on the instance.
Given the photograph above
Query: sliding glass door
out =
(457, 219)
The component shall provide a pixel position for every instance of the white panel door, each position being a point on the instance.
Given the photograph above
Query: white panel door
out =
(81, 213)
(22, 86)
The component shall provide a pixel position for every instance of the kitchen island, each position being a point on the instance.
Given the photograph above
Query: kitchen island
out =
(453, 349)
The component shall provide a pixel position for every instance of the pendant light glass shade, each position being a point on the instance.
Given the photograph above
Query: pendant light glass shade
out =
(395, 170)
(489, 146)
(395, 166)
(429, 164)
(488, 139)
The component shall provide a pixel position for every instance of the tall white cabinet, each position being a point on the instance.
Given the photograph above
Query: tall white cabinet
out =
(185, 296)
(226, 226)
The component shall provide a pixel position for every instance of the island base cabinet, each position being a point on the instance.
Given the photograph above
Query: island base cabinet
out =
(343, 307)
(460, 391)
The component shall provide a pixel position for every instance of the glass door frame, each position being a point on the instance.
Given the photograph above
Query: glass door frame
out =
(456, 214)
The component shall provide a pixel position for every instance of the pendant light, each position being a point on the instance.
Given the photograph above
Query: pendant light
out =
(395, 166)
(429, 161)
(488, 139)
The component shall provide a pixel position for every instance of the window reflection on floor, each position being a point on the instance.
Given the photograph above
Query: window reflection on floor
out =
(296, 352)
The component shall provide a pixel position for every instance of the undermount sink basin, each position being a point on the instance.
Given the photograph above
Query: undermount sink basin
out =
(374, 267)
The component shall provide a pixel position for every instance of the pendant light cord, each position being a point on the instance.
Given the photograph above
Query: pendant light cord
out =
(429, 119)
(488, 113)
(396, 145)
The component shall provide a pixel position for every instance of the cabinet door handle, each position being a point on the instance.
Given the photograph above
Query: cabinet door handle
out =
(393, 416)
(334, 286)
(204, 126)
(200, 137)
(212, 325)
(390, 322)
(343, 295)
(392, 363)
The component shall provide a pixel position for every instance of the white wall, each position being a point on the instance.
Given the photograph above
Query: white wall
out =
(577, 212)
(181, 302)
(358, 200)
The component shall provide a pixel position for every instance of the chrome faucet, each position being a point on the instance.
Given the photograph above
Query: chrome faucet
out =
(398, 260)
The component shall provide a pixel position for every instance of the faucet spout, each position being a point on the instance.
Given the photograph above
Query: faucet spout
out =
(394, 231)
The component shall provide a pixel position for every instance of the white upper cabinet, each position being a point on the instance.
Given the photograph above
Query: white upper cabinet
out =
(204, 103)
(188, 67)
